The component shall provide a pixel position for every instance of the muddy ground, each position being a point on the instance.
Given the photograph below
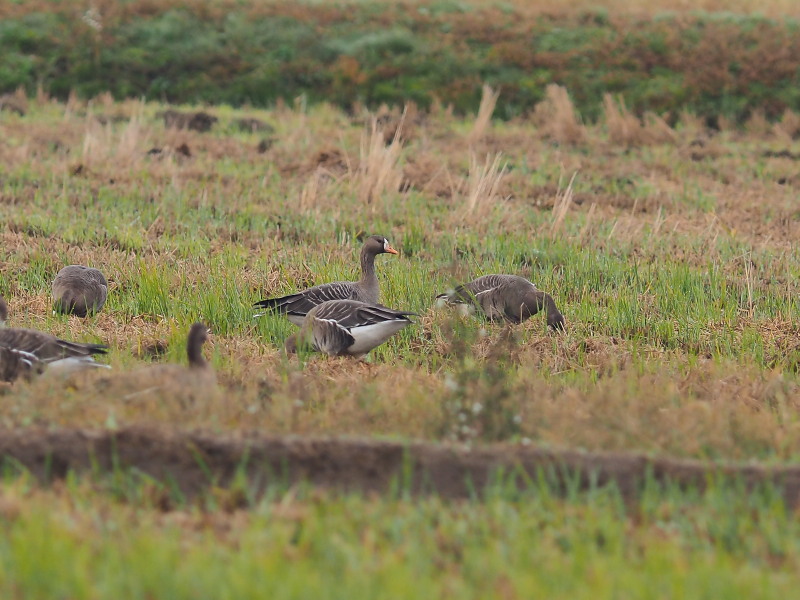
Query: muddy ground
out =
(196, 461)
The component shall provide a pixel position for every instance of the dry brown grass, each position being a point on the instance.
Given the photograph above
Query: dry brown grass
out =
(483, 119)
(561, 206)
(482, 186)
(788, 128)
(724, 409)
(626, 129)
(623, 127)
(380, 170)
(557, 118)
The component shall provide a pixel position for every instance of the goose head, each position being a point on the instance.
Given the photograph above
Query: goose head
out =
(377, 244)
(556, 321)
(198, 334)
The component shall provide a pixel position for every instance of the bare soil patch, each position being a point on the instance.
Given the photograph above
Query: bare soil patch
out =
(196, 461)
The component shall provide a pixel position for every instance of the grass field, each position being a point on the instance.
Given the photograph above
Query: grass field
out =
(78, 542)
(672, 261)
(670, 250)
(717, 58)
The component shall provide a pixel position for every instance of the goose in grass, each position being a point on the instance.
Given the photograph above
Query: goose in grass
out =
(347, 328)
(198, 371)
(28, 352)
(79, 290)
(296, 306)
(171, 381)
(507, 297)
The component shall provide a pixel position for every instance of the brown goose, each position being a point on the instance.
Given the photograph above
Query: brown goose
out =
(172, 380)
(79, 290)
(297, 305)
(347, 327)
(506, 297)
(199, 368)
(28, 352)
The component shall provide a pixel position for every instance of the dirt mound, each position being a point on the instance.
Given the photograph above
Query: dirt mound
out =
(194, 461)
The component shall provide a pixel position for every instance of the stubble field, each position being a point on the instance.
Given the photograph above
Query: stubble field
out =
(670, 251)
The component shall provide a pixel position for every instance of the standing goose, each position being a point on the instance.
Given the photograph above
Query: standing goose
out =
(79, 290)
(346, 327)
(506, 297)
(28, 352)
(297, 305)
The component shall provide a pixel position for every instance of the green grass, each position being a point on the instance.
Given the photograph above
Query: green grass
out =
(81, 543)
(247, 53)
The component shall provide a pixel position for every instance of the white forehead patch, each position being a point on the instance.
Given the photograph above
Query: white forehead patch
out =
(385, 243)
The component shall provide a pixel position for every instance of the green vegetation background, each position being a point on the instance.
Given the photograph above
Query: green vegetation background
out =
(714, 64)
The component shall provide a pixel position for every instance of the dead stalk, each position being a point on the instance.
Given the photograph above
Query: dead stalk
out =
(748, 277)
(484, 181)
(561, 206)
(483, 120)
(379, 170)
(588, 224)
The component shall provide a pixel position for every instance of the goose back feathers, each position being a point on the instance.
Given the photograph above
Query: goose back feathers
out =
(27, 352)
(79, 290)
(347, 327)
(367, 289)
(507, 297)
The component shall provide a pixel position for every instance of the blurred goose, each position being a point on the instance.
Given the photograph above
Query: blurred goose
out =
(28, 352)
(506, 297)
(347, 327)
(79, 290)
(297, 305)
(172, 380)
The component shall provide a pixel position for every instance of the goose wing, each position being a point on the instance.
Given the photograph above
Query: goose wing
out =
(16, 363)
(488, 284)
(355, 328)
(491, 293)
(45, 347)
(352, 314)
(302, 302)
(330, 337)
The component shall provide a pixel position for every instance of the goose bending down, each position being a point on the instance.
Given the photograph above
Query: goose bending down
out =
(79, 290)
(367, 290)
(347, 327)
(508, 297)
(28, 352)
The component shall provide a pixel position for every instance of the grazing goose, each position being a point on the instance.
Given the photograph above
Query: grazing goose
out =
(79, 290)
(296, 306)
(506, 297)
(347, 327)
(27, 352)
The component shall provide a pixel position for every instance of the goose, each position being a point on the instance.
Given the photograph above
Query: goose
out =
(508, 297)
(297, 305)
(347, 327)
(172, 380)
(79, 290)
(28, 352)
